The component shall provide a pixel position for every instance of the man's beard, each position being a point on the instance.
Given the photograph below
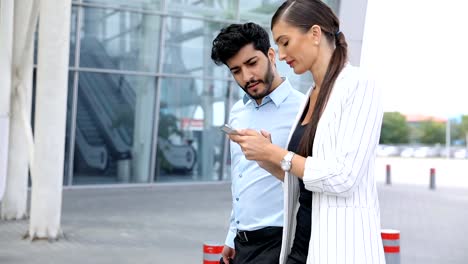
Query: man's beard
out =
(267, 81)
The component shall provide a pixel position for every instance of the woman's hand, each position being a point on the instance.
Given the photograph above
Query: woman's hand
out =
(254, 145)
(259, 147)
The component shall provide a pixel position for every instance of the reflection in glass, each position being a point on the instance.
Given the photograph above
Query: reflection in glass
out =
(334, 4)
(141, 4)
(113, 128)
(190, 144)
(188, 48)
(259, 11)
(221, 9)
(119, 40)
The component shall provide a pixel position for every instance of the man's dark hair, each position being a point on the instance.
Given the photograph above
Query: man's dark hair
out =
(234, 37)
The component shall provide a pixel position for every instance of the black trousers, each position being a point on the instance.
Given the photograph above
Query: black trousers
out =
(261, 246)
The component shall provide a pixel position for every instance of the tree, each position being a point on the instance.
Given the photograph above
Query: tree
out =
(464, 127)
(457, 134)
(395, 130)
(431, 132)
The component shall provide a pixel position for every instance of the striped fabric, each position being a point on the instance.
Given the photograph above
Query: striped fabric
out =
(345, 206)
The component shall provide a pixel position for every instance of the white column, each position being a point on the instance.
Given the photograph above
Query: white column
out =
(6, 49)
(14, 202)
(145, 94)
(207, 151)
(352, 19)
(50, 118)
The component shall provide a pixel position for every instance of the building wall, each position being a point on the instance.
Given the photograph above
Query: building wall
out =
(352, 18)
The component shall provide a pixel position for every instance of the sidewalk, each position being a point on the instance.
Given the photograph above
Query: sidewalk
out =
(169, 224)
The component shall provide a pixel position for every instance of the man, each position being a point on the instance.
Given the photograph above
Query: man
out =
(271, 104)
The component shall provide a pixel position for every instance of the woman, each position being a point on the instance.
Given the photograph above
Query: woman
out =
(331, 206)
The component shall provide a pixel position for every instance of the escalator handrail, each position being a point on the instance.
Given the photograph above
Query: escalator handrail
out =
(104, 121)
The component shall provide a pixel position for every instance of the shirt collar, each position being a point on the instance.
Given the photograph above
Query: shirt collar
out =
(277, 96)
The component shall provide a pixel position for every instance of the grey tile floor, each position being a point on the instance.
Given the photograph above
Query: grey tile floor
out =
(168, 223)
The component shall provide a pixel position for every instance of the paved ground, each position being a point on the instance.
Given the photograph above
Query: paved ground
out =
(169, 223)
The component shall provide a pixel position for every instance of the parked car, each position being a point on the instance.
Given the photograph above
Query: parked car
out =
(461, 154)
(407, 152)
(387, 150)
(426, 152)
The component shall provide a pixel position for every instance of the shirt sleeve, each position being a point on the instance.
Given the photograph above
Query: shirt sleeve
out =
(231, 232)
(357, 135)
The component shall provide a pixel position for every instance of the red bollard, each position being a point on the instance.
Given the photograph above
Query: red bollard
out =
(432, 179)
(391, 244)
(212, 253)
(388, 174)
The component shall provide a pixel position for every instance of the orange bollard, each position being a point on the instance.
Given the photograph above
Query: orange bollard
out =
(212, 253)
(432, 175)
(391, 244)
(388, 174)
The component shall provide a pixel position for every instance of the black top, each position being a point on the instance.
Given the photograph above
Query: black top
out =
(306, 196)
(302, 237)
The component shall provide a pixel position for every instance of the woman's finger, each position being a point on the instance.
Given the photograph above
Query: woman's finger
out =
(266, 134)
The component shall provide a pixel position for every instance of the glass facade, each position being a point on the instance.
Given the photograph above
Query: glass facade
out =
(145, 100)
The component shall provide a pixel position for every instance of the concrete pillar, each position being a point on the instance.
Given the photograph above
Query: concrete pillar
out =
(145, 99)
(6, 50)
(50, 118)
(14, 202)
(352, 16)
(207, 152)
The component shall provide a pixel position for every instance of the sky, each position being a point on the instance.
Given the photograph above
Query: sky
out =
(418, 51)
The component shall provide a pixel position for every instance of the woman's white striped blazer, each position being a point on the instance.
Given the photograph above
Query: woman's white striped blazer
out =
(340, 173)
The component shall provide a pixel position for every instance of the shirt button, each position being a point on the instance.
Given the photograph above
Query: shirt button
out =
(237, 222)
(237, 199)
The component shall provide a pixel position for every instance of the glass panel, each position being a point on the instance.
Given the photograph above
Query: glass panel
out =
(113, 128)
(334, 4)
(142, 4)
(259, 11)
(190, 144)
(188, 48)
(122, 40)
(73, 31)
(221, 9)
(300, 82)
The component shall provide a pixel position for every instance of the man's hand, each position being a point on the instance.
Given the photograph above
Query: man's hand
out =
(227, 254)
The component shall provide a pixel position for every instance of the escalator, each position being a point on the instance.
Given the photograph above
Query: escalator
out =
(90, 143)
(105, 116)
(106, 105)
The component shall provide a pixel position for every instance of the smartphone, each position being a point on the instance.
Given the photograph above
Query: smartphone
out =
(228, 130)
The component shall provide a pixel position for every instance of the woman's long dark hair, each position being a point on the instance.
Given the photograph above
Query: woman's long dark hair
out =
(304, 14)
